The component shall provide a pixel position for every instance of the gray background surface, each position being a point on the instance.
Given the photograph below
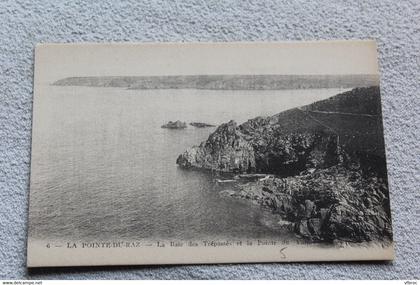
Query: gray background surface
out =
(394, 24)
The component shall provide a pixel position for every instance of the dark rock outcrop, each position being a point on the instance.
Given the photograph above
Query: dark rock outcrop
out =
(201, 125)
(225, 150)
(175, 125)
(326, 205)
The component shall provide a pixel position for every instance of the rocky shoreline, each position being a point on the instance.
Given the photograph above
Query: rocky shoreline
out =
(326, 160)
(325, 205)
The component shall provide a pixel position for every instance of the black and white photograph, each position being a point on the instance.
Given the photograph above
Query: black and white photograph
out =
(207, 153)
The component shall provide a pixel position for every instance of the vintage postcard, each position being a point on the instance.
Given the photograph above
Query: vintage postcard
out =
(207, 153)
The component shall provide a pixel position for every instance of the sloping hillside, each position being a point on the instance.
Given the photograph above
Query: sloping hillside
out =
(346, 128)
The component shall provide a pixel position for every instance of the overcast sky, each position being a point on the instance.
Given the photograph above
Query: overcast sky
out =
(57, 61)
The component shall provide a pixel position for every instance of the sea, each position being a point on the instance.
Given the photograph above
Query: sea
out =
(103, 168)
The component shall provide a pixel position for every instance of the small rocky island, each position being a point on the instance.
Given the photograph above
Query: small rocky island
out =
(201, 125)
(175, 125)
(321, 167)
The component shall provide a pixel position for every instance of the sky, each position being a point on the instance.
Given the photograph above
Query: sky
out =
(57, 61)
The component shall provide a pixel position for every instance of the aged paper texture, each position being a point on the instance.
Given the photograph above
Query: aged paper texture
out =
(207, 153)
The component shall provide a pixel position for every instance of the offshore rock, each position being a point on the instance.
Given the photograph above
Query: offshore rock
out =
(175, 125)
(201, 125)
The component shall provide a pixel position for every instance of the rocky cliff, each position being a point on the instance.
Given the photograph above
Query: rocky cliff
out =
(225, 150)
(327, 160)
(315, 136)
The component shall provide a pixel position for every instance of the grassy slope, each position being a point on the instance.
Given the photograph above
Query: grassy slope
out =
(354, 115)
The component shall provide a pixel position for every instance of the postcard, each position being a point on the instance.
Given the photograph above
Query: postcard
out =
(189, 153)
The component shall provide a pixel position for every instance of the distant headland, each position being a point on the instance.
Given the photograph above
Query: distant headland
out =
(225, 82)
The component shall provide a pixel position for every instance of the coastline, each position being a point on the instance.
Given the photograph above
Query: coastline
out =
(329, 181)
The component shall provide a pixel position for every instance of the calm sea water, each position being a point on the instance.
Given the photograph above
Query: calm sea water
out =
(104, 169)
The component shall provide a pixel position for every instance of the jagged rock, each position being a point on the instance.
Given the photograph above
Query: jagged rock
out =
(225, 150)
(201, 125)
(175, 125)
(327, 205)
(231, 149)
